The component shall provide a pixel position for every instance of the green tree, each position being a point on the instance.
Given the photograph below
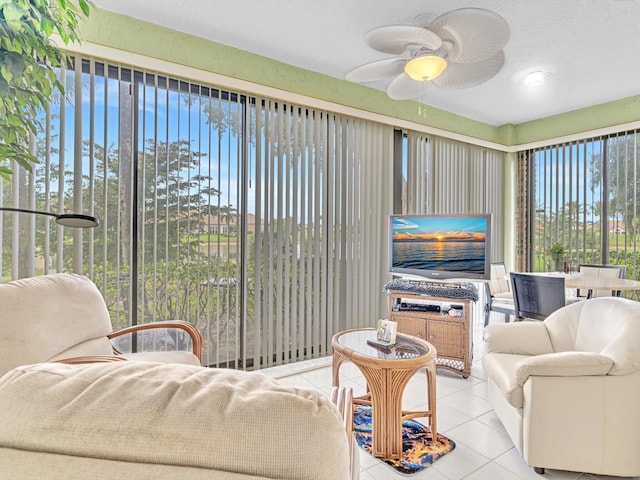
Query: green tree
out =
(28, 62)
(174, 199)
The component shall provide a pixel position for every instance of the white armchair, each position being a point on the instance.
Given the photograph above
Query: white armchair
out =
(567, 389)
(63, 317)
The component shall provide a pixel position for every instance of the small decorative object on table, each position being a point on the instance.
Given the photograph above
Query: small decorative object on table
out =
(387, 331)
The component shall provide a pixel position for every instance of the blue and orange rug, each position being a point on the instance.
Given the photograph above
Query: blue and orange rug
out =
(418, 451)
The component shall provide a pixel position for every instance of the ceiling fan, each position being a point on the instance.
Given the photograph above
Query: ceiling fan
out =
(459, 49)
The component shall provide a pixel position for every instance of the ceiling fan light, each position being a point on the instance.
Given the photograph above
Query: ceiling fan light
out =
(425, 67)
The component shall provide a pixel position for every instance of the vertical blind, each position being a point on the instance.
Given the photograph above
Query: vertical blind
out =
(35, 244)
(417, 181)
(322, 196)
(583, 196)
(463, 178)
(263, 223)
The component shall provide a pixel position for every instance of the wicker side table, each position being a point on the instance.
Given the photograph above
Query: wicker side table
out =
(387, 375)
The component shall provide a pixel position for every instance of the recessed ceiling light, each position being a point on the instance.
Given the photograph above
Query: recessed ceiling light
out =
(535, 79)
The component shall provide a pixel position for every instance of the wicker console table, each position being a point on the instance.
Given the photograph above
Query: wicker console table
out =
(450, 334)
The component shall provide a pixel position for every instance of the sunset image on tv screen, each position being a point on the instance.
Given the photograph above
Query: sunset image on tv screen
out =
(452, 244)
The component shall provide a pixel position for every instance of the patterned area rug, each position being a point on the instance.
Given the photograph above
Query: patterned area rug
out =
(418, 451)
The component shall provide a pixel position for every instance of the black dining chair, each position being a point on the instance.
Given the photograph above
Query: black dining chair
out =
(536, 296)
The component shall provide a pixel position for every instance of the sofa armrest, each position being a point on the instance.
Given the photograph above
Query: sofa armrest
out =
(189, 328)
(520, 338)
(563, 364)
(342, 397)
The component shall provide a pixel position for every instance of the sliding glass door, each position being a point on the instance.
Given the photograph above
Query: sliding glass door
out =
(257, 220)
(583, 196)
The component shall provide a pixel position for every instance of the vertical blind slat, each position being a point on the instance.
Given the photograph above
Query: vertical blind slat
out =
(77, 167)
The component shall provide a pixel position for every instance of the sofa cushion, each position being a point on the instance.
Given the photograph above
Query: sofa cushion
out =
(178, 415)
(520, 338)
(503, 296)
(502, 368)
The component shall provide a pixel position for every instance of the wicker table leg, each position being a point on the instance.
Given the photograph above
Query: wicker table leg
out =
(430, 371)
(386, 387)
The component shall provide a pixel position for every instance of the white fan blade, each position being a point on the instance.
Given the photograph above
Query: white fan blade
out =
(403, 87)
(465, 75)
(474, 34)
(395, 39)
(370, 72)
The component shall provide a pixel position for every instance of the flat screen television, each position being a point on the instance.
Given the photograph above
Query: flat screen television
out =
(440, 246)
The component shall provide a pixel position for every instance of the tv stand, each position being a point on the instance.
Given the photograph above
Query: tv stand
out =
(429, 317)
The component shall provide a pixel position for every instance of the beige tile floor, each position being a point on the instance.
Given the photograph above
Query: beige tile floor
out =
(483, 448)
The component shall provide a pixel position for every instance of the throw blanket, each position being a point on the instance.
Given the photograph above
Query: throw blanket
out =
(467, 291)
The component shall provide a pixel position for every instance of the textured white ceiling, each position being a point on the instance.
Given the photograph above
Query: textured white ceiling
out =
(590, 47)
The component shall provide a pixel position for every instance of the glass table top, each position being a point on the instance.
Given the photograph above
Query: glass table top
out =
(405, 347)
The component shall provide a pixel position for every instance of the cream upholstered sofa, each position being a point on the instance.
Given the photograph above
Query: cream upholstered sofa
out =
(64, 316)
(141, 420)
(567, 389)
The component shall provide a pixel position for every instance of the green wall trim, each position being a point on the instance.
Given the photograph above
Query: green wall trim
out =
(132, 35)
(507, 134)
(587, 119)
(143, 38)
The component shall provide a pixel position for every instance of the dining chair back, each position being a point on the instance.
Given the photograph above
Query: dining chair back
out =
(499, 281)
(498, 293)
(536, 296)
(607, 271)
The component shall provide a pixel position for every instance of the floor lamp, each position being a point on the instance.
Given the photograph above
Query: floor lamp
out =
(74, 220)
